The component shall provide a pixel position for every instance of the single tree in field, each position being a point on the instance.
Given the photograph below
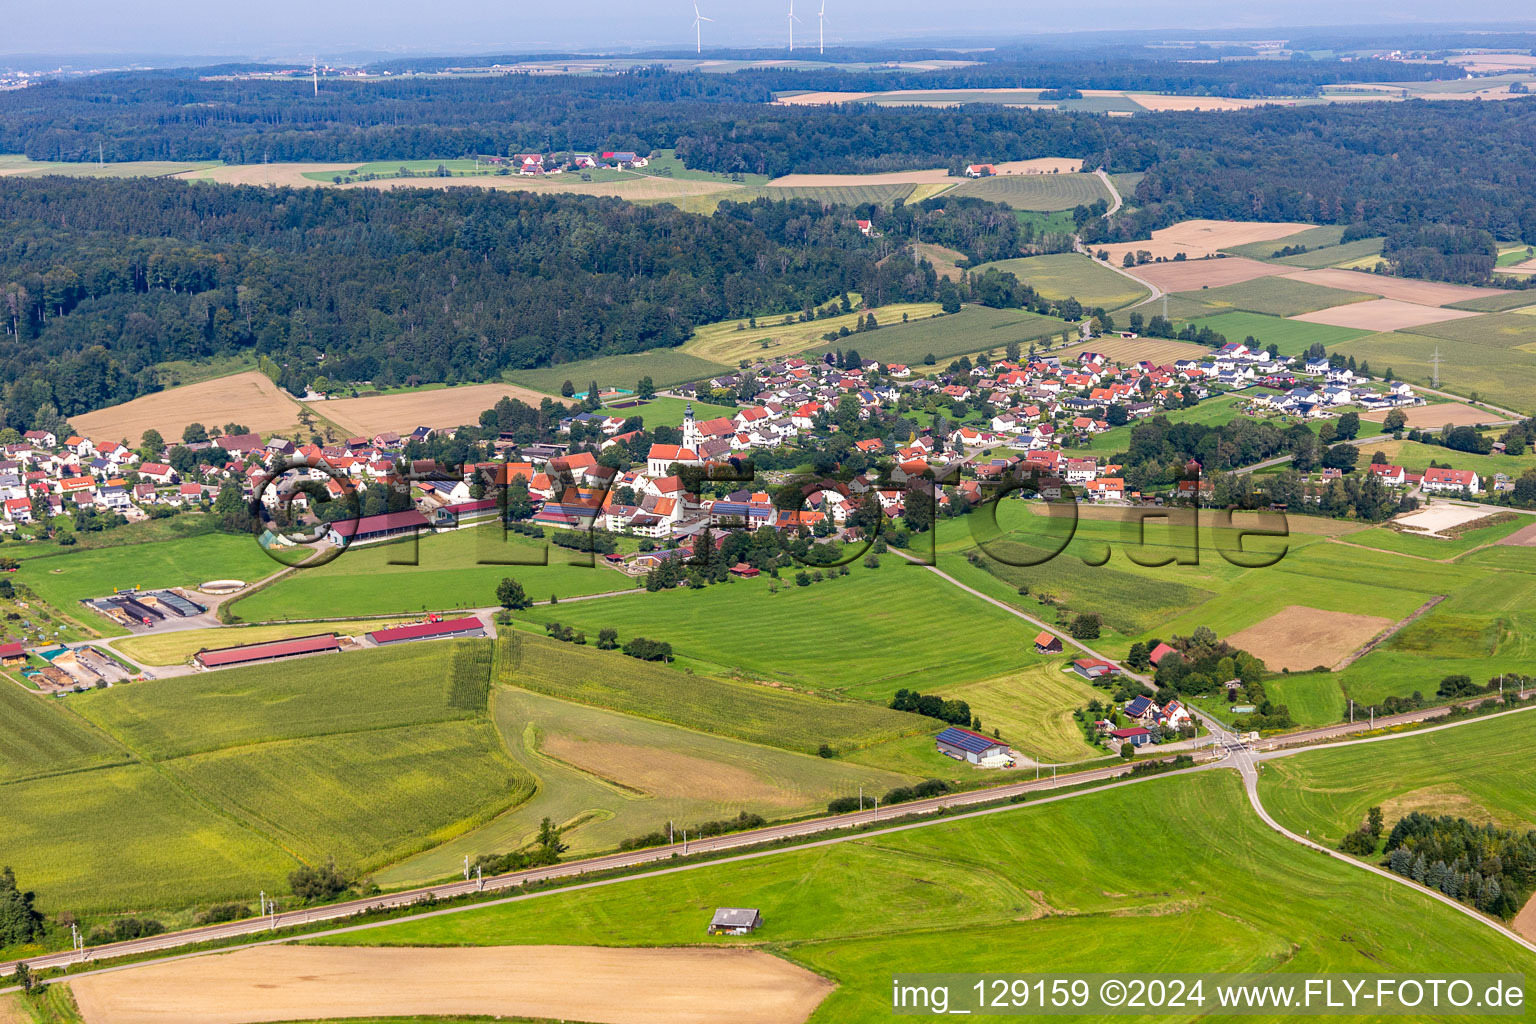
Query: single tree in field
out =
(509, 594)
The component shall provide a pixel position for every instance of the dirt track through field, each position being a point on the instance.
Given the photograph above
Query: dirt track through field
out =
(249, 398)
(607, 986)
(1525, 537)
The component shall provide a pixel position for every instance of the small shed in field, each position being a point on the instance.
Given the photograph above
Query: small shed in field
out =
(735, 921)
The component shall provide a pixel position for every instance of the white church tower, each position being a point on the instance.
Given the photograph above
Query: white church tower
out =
(691, 437)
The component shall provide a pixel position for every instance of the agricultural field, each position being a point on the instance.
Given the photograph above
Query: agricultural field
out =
(1197, 238)
(769, 715)
(1293, 336)
(16, 165)
(606, 777)
(429, 407)
(1496, 330)
(42, 737)
(436, 572)
(888, 625)
(973, 329)
(248, 398)
(63, 580)
(365, 756)
(1325, 236)
(1042, 881)
(665, 367)
(731, 341)
(945, 261)
(430, 682)
(1494, 374)
(1404, 289)
(1383, 315)
(1296, 639)
(1195, 275)
(1219, 409)
(1362, 251)
(1132, 350)
(1276, 296)
(1523, 301)
(1045, 192)
(177, 648)
(1474, 771)
(668, 412)
(1032, 710)
(1065, 275)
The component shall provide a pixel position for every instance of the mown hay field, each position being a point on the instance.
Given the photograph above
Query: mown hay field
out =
(730, 341)
(1037, 879)
(1063, 275)
(1276, 296)
(248, 398)
(1036, 191)
(429, 407)
(771, 715)
(1325, 236)
(973, 329)
(1134, 350)
(1033, 711)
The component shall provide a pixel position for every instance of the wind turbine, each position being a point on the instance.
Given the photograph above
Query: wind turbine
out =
(792, 20)
(314, 73)
(698, 28)
(821, 27)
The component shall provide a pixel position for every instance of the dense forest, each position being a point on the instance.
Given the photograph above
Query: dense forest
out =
(101, 280)
(1383, 166)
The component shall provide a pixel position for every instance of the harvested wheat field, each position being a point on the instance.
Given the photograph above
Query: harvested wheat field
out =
(1133, 350)
(1157, 102)
(1404, 289)
(944, 260)
(1525, 921)
(1196, 238)
(1190, 275)
(1382, 314)
(249, 398)
(1437, 416)
(438, 407)
(612, 986)
(1301, 638)
(266, 174)
(640, 187)
(1525, 537)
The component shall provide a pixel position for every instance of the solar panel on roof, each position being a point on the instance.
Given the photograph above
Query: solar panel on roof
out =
(966, 740)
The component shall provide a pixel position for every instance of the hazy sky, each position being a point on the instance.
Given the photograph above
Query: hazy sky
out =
(290, 28)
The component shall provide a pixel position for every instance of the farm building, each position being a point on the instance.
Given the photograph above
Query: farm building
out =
(966, 745)
(1159, 652)
(453, 515)
(466, 627)
(1093, 668)
(250, 654)
(371, 528)
(1136, 736)
(735, 921)
(12, 655)
(1047, 643)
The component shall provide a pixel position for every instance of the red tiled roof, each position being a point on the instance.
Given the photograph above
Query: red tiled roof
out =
(423, 630)
(263, 652)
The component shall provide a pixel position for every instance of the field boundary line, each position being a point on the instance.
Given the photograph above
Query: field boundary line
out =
(1388, 633)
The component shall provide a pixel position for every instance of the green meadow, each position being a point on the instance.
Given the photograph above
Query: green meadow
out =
(1044, 192)
(1277, 296)
(1479, 365)
(1326, 236)
(1293, 336)
(1476, 771)
(973, 329)
(1071, 275)
(665, 367)
(1058, 887)
(436, 572)
(668, 412)
(865, 635)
